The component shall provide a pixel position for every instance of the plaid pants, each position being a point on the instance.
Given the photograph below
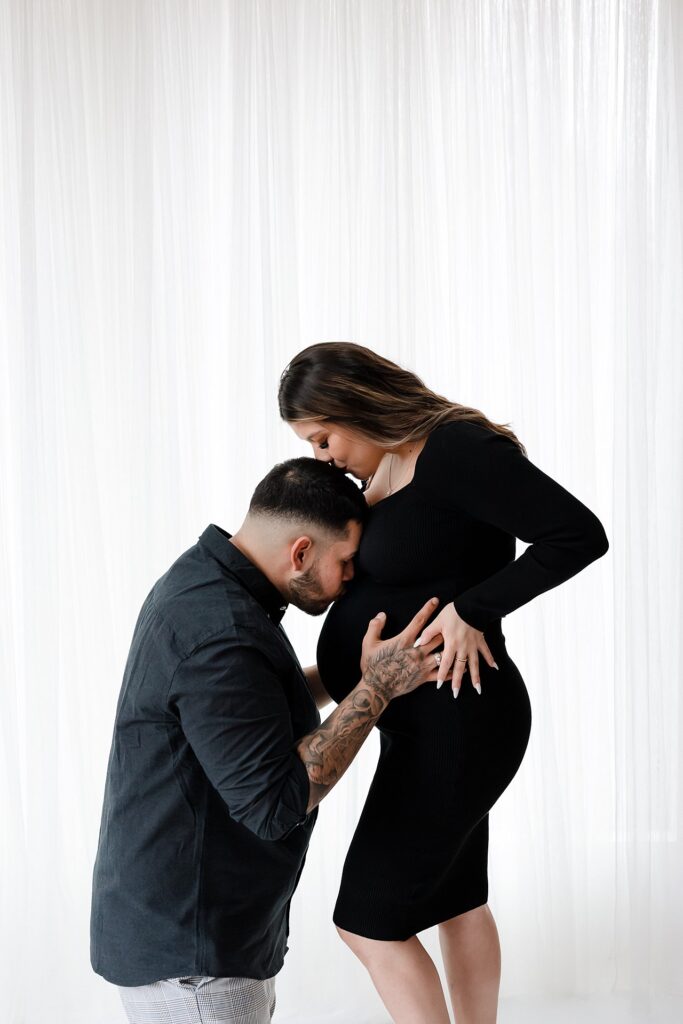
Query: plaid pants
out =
(200, 1001)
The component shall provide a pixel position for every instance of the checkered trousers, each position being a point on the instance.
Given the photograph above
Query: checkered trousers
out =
(200, 1001)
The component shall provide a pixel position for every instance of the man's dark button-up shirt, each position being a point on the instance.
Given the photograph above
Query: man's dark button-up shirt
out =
(204, 827)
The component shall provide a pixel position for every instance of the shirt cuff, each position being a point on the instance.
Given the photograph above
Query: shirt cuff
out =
(292, 810)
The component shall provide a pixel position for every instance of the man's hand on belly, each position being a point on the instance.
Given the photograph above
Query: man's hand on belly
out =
(393, 667)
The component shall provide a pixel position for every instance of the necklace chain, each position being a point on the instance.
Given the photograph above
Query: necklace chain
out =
(391, 461)
(391, 489)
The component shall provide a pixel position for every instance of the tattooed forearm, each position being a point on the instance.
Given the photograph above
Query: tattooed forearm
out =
(329, 750)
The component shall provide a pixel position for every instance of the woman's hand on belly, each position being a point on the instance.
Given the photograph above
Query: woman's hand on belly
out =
(462, 644)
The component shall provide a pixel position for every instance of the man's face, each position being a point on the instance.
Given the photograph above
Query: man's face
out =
(315, 588)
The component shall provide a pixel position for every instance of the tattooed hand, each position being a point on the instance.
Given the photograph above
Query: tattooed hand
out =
(394, 667)
(391, 668)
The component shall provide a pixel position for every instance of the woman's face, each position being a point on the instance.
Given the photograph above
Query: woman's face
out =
(347, 450)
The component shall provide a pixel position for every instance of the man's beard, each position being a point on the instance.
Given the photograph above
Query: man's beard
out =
(306, 593)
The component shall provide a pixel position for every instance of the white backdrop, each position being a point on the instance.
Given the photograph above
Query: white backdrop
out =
(487, 192)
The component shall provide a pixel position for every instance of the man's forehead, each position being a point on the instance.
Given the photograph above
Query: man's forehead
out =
(354, 538)
(348, 545)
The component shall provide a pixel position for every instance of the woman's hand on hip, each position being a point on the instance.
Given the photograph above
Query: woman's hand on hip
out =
(462, 645)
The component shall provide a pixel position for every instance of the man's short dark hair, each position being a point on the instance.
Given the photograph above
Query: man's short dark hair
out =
(310, 490)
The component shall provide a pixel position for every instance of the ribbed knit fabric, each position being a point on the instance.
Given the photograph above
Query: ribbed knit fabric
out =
(419, 853)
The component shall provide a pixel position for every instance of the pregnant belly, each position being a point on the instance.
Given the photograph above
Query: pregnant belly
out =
(341, 638)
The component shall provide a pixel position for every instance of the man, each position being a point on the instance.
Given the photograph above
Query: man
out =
(219, 760)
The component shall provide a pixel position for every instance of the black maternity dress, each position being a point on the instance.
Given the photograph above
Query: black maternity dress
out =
(419, 852)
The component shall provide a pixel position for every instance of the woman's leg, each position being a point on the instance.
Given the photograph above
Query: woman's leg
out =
(471, 957)
(405, 977)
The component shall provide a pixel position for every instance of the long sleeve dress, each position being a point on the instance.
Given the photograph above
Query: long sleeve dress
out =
(419, 853)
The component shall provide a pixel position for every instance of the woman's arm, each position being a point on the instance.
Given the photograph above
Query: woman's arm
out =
(484, 474)
(315, 685)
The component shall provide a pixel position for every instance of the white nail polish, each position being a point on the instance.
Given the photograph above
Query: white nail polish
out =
(456, 692)
(439, 684)
(477, 687)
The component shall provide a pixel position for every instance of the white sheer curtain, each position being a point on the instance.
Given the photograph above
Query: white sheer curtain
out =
(487, 192)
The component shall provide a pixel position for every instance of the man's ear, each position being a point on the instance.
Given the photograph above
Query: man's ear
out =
(298, 551)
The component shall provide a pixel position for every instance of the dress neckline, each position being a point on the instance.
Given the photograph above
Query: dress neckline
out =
(410, 482)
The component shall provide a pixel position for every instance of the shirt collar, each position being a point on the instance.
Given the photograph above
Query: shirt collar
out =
(217, 543)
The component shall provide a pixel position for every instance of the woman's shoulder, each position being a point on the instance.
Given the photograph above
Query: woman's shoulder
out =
(464, 447)
(463, 428)
(463, 435)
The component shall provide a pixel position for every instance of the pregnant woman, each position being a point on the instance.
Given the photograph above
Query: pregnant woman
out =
(449, 492)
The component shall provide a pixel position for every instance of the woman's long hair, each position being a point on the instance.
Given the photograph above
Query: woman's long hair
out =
(348, 384)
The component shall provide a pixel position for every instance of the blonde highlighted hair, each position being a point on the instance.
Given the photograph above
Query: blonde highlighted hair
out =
(350, 385)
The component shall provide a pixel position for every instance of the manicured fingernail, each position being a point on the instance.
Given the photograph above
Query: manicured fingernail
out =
(494, 665)
(439, 684)
(435, 600)
(477, 687)
(456, 692)
(418, 642)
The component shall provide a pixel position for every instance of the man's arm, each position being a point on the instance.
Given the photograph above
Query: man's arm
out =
(234, 713)
(393, 668)
(329, 750)
(315, 685)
